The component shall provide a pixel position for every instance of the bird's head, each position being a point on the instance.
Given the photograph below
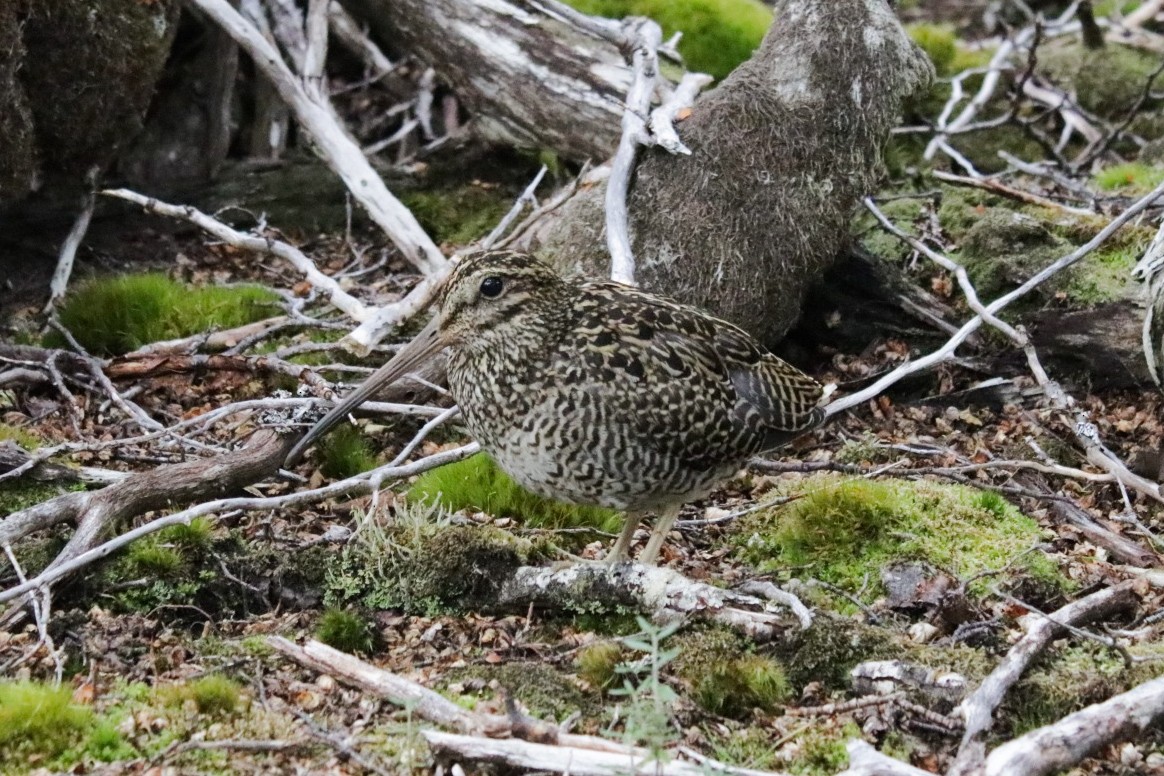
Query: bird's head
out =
(490, 294)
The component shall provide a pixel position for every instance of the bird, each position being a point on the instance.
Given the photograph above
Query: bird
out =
(597, 393)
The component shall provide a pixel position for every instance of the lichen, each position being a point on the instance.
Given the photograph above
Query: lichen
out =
(424, 568)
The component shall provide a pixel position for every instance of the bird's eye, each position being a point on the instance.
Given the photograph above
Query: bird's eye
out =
(491, 287)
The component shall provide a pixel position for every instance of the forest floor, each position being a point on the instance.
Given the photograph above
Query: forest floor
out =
(932, 525)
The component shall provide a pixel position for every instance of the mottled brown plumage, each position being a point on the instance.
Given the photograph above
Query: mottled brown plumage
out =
(597, 393)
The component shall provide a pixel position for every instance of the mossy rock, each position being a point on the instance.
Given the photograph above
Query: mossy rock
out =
(89, 73)
(424, 567)
(1107, 81)
(115, 315)
(478, 483)
(717, 34)
(1006, 247)
(828, 650)
(847, 531)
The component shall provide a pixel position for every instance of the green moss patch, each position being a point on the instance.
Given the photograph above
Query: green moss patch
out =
(1132, 178)
(846, 532)
(726, 676)
(41, 726)
(1071, 677)
(38, 722)
(717, 34)
(346, 631)
(478, 483)
(1108, 81)
(345, 453)
(214, 695)
(111, 316)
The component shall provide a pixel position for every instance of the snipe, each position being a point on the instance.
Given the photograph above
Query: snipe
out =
(596, 393)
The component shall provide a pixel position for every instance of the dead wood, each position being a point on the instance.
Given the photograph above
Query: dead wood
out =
(978, 708)
(528, 80)
(181, 483)
(661, 593)
(1063, 744)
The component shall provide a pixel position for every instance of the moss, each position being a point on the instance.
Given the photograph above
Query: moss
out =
(214, 695)
(345, 631)
(195, 537)
(1068, 678)
(726, 676)
(846, 532)
(38, 722)
(478, 483)
(458, 215)
(111, 316)
(16, 495)
(749, 747)
(426, 568)
(903, 213)
(154, 559)
(597, 663)
(940, 43)
(20, 435)
(1005, 247)
(821, 749)
(827, 651)
(717, 34)
(1108, 82)
(1132, 178)
(345, 453)
(545, 692)
(981, 147)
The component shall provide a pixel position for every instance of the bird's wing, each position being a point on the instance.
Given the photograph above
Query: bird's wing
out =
(725, 391)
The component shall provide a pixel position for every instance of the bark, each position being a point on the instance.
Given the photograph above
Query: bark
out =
(528, 80)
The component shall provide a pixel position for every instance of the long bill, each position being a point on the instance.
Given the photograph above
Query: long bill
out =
(406, 360)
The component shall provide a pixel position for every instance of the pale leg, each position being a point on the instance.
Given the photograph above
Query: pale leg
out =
(663, 525)
(621, 549)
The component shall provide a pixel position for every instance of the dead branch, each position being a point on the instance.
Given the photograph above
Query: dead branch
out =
(181, 483)
(338, 149)
(978, 709)
(864, 760)
(663, 594)
(516, 753)
(1063, 744)
(423, 702)
(364, 483)
(68, 254)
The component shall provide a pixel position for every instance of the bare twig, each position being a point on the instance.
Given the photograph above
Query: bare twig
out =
(68, 254)
(978, 709)
(1063, 744)
(340, 152)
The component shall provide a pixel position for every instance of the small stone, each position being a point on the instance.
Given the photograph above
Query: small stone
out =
(325, 683)
(922, 632)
